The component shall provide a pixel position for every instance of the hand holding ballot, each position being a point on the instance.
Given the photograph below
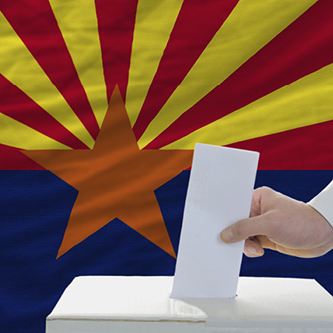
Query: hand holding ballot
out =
(283, 224)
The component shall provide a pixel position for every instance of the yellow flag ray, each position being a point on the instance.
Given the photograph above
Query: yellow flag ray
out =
(19, 66)
(153, 26)
(305, 102)
(78, 24)
(15, 134)
(249, 27)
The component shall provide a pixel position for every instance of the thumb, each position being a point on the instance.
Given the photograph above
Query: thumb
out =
(244, 229)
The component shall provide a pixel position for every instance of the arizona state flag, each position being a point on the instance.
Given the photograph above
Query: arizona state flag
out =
(101, 103)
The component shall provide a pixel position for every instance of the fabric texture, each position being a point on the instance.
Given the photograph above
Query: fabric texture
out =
(101, 104)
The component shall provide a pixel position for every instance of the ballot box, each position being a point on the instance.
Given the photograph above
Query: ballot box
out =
(100, 304)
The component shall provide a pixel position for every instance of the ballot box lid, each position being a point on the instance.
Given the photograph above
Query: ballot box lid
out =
(143, 304)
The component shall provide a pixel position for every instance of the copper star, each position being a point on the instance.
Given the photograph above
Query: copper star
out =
(115, 180)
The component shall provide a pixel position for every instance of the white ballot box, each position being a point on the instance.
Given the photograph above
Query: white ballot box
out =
(100, 304)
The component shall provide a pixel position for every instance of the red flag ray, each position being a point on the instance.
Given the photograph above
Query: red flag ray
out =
(116, 24)
(303, 148)
(33, 21)
(187, 41)
(299, 50)
(15, 160)
(28, 112)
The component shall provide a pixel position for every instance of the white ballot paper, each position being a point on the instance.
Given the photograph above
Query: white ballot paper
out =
(219, 194)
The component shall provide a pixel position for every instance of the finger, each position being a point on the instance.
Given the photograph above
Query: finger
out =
(253, 226)
(258, 198)
(266, 243)
(253, 248)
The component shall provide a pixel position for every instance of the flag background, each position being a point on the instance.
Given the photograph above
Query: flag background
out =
(278, 96)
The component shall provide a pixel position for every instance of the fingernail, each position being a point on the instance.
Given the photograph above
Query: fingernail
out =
(253, 250)
(227, 235)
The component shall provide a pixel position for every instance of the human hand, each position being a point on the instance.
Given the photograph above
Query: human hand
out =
(283, 224)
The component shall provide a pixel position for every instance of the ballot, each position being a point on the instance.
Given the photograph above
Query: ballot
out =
(219, 194)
